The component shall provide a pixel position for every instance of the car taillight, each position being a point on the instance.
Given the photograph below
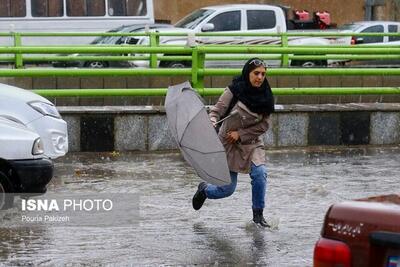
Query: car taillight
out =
(331, 253)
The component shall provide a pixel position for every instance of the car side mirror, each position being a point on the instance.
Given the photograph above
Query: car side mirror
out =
(208, 27)
(359, 40)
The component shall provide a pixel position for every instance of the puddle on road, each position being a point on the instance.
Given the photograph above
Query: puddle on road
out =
(301, 186)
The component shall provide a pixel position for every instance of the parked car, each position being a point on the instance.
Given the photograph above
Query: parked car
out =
(374, 27)
(361, 233)
(238, 18)
(23, 166)
(111, 40)
(37, 114)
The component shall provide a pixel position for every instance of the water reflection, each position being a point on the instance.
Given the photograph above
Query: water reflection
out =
(221, 244)
(22, 243)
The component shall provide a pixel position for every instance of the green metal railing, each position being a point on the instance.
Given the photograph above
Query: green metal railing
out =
(197, 55)
(218, 91)
(154, 41)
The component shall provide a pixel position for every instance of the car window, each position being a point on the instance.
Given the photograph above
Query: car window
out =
(373, 39)
(260, 19)
(394, 29)
(228, 21)
(349, 26)
(106, 39)
(193, 19)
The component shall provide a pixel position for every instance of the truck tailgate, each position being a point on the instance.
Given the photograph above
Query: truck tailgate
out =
(370, 227)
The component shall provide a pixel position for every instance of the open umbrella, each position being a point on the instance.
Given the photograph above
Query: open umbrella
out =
(196, 137)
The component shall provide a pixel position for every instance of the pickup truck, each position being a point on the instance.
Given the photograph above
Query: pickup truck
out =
(241, 18)
(23, 167)
(361, 233)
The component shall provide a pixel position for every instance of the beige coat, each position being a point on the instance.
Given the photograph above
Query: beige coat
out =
(250, 127)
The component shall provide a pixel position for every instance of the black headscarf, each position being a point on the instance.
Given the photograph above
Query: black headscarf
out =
(259, 100)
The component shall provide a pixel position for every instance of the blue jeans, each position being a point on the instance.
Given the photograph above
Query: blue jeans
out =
(258, 175)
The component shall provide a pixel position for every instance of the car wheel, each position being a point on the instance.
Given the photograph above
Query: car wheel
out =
(6, 192)
(174, 64)
(309, 63)
(96, 64)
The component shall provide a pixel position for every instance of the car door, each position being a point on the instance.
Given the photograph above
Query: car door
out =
(394, 40)
(373, 40)
(227, 21)
(262, 21)
(394, 28)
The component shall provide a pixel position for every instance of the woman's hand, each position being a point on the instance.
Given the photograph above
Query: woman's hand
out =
(232, 137)
(213, 121)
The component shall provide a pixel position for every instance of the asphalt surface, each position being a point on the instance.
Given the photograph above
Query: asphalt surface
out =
(165, 230)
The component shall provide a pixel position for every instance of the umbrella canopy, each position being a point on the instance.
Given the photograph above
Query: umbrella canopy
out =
(196, 137)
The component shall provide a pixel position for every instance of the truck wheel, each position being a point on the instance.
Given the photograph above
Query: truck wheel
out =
(175, 64)
(309, 63)
(96, 64)
(6, 190)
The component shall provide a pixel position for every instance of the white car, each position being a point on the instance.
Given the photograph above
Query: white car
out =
(38, 114)
(23, 167)
(374, 27)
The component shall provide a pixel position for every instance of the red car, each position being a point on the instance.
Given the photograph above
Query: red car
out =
(363, 232)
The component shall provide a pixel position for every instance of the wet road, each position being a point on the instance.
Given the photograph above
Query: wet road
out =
(302, 185)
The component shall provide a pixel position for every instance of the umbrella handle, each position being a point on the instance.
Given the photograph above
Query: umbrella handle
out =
(234, 112)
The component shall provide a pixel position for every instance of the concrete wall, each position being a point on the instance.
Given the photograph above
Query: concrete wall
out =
(342, 11)
(146, 128)
(390, 10)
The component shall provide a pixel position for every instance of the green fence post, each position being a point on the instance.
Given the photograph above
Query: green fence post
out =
(154, 41)
(285, 57)
(198, 59)
(19, 64)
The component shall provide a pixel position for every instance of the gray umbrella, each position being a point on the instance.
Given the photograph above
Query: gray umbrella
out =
(196, 137)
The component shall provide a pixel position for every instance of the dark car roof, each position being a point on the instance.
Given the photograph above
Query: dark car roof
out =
(126, 29)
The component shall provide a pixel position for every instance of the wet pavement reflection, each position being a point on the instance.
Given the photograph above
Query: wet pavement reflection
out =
(301, 186)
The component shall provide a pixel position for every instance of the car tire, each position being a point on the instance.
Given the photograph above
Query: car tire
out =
(175, 64)
(309, 63)
(96, 64)
(6, 192)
